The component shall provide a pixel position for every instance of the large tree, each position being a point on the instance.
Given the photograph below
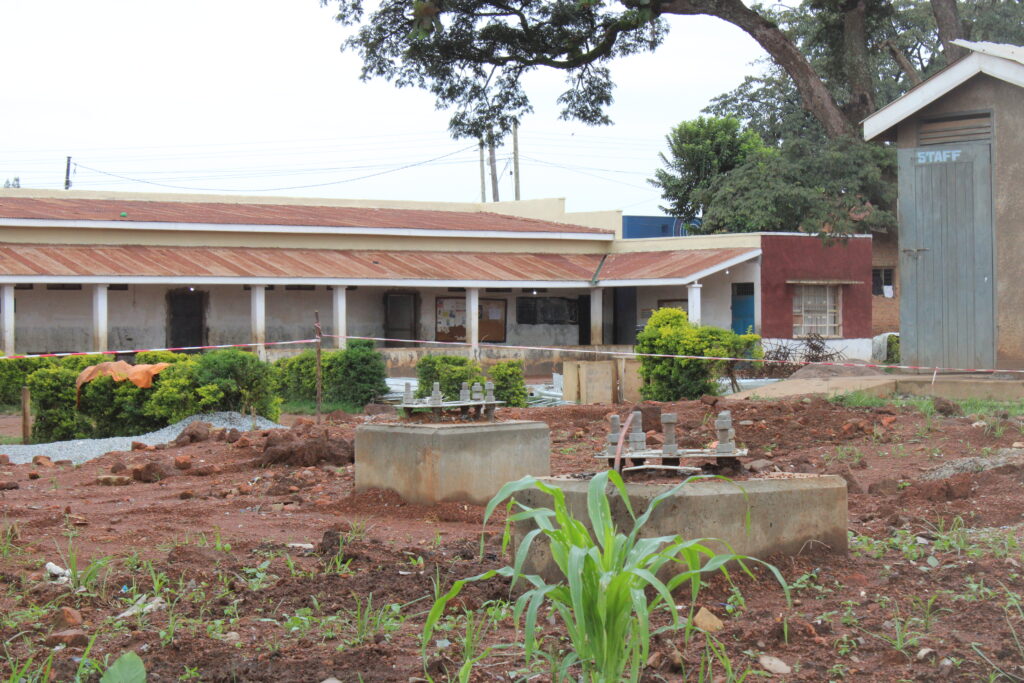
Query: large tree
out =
(700, 151)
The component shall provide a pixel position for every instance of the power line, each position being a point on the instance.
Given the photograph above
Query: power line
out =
(276, 189)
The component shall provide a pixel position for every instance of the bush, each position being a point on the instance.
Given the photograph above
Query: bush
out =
(355, 376)
(239, 380)
(296, 376)
(892, 349)
(117, 408)
(53, 402)
(154, 357)
(670, 379)
(14, 375)
(78, 363)
(450, 371)
(509, 385)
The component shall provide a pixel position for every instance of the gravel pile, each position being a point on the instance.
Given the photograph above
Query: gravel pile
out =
(86, 449)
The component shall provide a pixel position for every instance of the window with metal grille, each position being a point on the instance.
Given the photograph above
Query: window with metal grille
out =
(880, 279)
(817, 310)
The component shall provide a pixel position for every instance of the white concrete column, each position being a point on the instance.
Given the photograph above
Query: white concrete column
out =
(259, 319)
(596, 315)
(693, 302)
(7, 311)
(340, 315)
(473, 320)
(99, 318)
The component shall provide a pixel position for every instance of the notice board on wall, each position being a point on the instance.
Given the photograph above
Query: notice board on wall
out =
(450, 319)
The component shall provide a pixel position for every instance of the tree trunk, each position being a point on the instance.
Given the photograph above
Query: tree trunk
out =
(947, 18)
(859, 70)
(815, 96)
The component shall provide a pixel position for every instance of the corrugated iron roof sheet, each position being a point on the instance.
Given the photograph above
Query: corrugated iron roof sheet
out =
(273, 214)
(682, 264)
(151, 261)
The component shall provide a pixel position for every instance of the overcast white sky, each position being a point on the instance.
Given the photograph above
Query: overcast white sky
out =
(254, 97)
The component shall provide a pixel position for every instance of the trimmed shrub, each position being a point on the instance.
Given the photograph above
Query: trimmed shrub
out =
(240, 380)
(296, 375)
(78, 363)
(669, 331)
(14, 375)
(892, 349)
(154, 357)
(355, 376)
(118, 408)
(450, 371)
(509, 385)
(53, 402)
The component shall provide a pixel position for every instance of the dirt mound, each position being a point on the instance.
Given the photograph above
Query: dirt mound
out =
(305, 445)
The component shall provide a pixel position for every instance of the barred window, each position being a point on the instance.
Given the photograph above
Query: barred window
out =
(817, 310)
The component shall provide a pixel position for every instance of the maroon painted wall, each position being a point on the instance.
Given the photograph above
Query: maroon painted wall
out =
(804, 257)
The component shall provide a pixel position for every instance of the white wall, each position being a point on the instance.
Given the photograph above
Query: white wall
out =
(48, 321)
(137, 317)
(716, 295)
(853, 349)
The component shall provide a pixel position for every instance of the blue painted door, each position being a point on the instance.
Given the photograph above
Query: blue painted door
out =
(742, 307)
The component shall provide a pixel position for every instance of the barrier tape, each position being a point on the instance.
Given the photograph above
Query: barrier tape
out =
(623, 354)
(634, 354)
(169, 348)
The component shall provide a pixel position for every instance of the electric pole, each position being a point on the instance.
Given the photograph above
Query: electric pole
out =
(494, 169)
(515, 156)
(483, 175)
(67, 175)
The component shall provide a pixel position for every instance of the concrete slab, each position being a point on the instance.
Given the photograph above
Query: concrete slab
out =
(430, 463)
(786, 515)
(958, 388)
(883, 385)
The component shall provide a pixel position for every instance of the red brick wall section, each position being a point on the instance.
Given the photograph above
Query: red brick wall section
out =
(804, 257)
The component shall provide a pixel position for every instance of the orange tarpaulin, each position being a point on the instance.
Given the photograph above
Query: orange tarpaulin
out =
(139, 375)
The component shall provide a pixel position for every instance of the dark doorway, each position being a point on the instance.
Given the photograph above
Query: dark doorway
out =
(400, 313)
(186, 318)
(584, 319)
(742, 307)
(624, 315)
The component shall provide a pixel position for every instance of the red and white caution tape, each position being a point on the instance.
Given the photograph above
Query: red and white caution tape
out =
(634, 354)
(169, 348)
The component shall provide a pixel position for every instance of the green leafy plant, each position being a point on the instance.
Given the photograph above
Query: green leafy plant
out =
(449, 371)
(53, 403)
(606, 576)
(669, 332)
(14, 375)
(128, 668)
(509, 384)
(356, 375)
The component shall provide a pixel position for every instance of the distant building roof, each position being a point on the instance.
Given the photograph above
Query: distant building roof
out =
(1002, 61)
(109, 211)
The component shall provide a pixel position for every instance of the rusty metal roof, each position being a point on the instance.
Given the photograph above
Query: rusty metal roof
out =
(92, 261)
(224, 213)
(665, 265)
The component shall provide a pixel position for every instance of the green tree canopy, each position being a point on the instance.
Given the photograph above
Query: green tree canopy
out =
(700, 151)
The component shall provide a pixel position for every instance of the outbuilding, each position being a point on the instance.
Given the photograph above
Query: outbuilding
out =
(960, 136)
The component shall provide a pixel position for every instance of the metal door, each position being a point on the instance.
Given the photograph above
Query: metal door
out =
(742, 307)
(400, 312)
(186, 317)
(947, 275)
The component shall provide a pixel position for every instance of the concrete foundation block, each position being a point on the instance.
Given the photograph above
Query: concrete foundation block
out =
(430, 463)
(786, 515)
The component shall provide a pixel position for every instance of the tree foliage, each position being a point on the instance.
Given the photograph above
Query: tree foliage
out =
(700, 151)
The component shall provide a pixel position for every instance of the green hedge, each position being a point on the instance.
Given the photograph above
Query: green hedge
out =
(228, 379)
(353, 376)
(14, 375)
(449, 371)
(509, 384)
(669, 331)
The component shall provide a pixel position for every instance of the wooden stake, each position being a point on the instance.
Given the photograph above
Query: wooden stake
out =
(26, 415)
(319, 367)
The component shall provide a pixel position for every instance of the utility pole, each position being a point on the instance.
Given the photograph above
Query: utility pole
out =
(494, 169)
(483, 175)
(67, 175)
(515, 156)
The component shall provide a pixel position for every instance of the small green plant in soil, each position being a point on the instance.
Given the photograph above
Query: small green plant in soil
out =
(608, 586)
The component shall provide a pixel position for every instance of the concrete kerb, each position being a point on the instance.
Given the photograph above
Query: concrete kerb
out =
(786, 516)
(432, 463)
